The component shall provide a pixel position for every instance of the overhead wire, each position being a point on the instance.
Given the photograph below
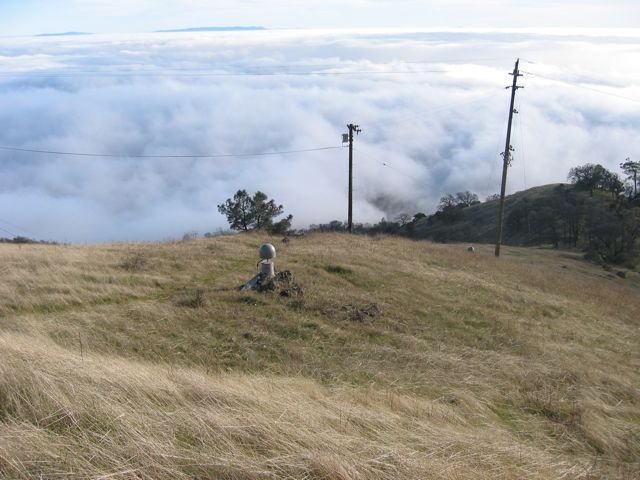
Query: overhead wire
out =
(384, 163)
(578, 85)
(494, 163)
(520, 137)
(223, 155)
(8, 232)
(13, 225)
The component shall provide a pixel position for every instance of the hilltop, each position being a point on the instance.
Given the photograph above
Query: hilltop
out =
(604, 225)
(402, 360)
(478, 223)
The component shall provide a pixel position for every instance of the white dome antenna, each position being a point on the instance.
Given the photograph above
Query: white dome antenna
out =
(267, 253)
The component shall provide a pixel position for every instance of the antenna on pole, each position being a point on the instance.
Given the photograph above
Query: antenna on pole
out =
(506, 155)
(349, 137)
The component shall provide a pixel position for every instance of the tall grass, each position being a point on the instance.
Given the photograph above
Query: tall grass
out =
(467, 367)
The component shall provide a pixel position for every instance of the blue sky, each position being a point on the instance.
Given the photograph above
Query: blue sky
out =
(26, 17)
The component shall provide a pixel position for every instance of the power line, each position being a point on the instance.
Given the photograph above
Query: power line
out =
(7, 231)
(492, 176)
(384, 164)
(583, 87)
(520, 132)
(13, 225)
(225, 155)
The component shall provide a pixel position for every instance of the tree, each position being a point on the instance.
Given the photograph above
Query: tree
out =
(611, 182)
(403, 219)
(466, 199)
(280, 227)
(246, 213)
(588, 177)
(459, 200)
(450, 206)
(264, 210)
(239, 211)
(446, 202)
(631, 169)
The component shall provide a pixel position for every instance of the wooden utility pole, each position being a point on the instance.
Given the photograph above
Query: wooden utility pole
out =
(352, 128)
(507, 155)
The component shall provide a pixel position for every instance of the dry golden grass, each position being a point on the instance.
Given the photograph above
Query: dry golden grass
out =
(144, 361)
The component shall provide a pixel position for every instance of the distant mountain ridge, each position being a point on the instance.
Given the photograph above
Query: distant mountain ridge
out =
(214, 29)
(63, 34)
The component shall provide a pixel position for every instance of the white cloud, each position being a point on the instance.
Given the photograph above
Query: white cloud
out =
(436, 132)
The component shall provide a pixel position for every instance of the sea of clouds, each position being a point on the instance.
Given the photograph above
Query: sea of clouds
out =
(435, 125)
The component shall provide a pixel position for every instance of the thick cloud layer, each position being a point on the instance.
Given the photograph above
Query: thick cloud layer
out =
(435, 125)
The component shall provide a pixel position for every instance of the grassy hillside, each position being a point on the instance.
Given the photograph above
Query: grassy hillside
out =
(478, 223)
(403, 360)
(537, 216)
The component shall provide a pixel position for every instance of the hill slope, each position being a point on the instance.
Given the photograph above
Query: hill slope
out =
(478, 223)
(606, 226)
(402, 360)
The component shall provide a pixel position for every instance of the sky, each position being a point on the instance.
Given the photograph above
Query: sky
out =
(431, 103)
(25, 17)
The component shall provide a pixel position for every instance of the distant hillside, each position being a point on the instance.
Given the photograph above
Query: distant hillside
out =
(213, 29)
(606, 225)
(478, 223)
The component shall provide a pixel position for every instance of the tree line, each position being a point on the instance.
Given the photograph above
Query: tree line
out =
(606, 223)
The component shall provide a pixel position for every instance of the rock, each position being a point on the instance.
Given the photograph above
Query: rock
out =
(621, 274)
(293, 291)
(283, 282)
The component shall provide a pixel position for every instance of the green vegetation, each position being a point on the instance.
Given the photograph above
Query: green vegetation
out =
(245, 213)
(403, 359)
(566, 216)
